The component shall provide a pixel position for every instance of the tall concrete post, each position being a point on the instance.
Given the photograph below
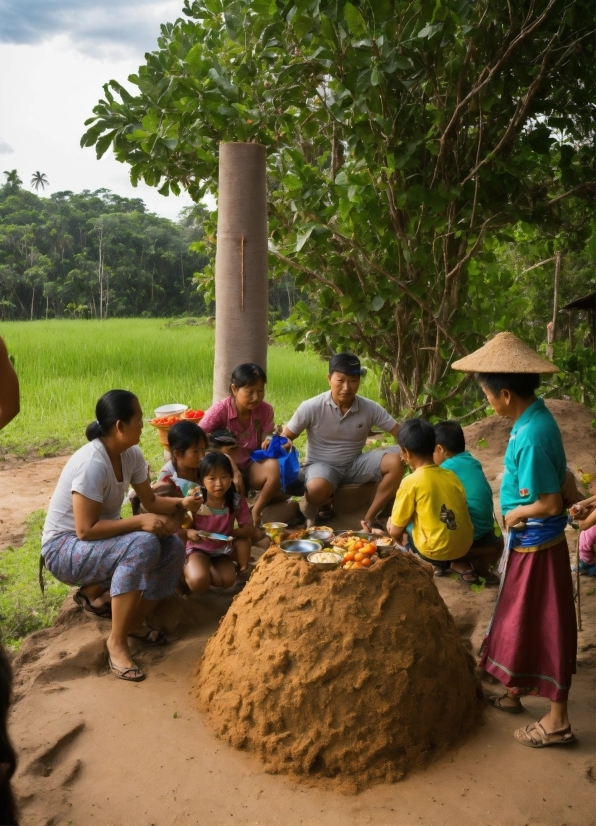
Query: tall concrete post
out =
(241, 282)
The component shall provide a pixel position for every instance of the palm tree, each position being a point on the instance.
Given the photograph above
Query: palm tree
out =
(12, 179)
(39, 179)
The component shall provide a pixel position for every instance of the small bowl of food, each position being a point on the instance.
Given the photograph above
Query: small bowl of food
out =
(384, 546)
(324, 535)
(275, 531)
(300, 547)
(324, 560)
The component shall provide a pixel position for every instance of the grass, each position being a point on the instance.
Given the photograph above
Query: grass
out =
(23, 608)
(65, 366)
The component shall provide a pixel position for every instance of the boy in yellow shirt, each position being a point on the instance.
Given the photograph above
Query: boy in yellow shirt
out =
(432, 498)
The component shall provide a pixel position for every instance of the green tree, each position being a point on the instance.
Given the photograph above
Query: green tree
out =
(13, 182)
(405, 140)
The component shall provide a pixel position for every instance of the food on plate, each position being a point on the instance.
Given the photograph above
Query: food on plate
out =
(323, 556)
(275, 531)
(164, 421)
(194, 414)
(384, 540)
(357, 553)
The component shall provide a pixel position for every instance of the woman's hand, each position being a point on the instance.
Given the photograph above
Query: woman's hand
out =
(514, 517)
(159, 524)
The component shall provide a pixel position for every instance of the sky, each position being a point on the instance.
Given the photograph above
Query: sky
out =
(55, 56)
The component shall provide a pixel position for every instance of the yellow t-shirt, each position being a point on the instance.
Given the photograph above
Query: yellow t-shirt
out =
(435, 500)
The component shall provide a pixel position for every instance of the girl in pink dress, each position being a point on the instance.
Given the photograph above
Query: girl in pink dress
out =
(209, 561)
(245, 413)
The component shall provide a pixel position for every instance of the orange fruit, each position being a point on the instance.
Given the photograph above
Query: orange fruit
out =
(349, 557)
(369, 549)
(358, 557)
(366, 562)
(357, 565)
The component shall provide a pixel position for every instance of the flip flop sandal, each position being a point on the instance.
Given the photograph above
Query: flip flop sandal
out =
(495, 702)
(475, 580)
(536, 737)
(131, 675)
(152, 637)
(326, 512)
(83, 601)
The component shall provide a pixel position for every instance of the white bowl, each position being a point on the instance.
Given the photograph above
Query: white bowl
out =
(170, 410)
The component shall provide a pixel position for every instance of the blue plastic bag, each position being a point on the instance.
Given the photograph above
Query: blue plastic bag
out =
(289, 461)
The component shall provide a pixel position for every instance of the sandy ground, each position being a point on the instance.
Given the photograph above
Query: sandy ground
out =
(95, 750)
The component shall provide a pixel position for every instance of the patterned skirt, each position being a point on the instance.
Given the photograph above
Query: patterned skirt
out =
(136, 561)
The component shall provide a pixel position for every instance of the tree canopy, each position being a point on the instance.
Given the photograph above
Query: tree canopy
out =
(407, 143)
(94, 254)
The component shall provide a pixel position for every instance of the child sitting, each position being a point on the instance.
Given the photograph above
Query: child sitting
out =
(585, 514)
(187, 442)
(209, 561)
(433, 498)
(487, 547)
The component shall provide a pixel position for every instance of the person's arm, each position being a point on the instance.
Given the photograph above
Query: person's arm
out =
(403, 510)
(548, 504)
(9, 388)
(245, 524)
(88, 526)
(396, 532)
(167, 505)
(588, 521)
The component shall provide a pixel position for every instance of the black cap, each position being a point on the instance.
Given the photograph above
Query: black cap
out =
(346, 363)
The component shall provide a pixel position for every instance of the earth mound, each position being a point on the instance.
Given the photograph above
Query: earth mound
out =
(342, 678)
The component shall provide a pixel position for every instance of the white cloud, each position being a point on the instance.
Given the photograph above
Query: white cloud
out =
(101, 27)
(5, 148)
(48, 90)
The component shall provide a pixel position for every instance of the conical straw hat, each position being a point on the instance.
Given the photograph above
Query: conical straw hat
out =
(505, 353)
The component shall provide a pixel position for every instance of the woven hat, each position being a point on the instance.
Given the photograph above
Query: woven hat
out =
(505, 353)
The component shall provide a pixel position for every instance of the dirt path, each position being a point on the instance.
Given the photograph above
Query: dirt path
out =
(26, 487)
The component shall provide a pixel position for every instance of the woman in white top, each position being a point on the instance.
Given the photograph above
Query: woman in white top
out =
(124, 566)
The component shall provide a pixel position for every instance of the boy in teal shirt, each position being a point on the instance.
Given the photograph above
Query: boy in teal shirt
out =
(451, 454)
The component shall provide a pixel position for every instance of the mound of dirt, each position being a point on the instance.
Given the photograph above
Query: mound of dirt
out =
(345, 678)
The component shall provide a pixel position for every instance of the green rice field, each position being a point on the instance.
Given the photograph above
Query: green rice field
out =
(64, 366)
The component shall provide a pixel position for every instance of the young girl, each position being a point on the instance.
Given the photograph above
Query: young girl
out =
(209, 562)
(188, 443)
(585, 514)
(250, 419)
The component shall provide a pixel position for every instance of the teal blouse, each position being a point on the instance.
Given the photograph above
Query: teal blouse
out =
(535, 459)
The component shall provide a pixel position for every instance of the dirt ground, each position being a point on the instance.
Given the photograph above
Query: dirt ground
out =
(96, 751)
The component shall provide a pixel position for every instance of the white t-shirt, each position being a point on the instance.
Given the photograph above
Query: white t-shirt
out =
(90, 473)
(333, 437)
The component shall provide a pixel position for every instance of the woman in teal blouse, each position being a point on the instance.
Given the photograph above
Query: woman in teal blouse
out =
(531, 643)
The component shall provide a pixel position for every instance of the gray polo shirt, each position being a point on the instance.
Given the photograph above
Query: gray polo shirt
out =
(333, 438)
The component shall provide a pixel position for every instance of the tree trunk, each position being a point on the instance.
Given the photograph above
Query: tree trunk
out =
(241, 284)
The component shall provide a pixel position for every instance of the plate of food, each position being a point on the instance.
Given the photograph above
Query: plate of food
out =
(216, 537)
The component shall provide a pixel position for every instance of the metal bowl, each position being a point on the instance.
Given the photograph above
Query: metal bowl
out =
(360, 535)
(325, 566)
(384, 549)
(300, 547)
(321, 536)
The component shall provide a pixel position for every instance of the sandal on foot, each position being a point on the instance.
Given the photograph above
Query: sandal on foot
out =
(133, 674)
(83, 601)
(326, 512)
(470, 577)
(495, 702)
(152, 637)
(536, 737)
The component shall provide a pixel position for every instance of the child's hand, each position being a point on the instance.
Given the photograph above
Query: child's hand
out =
(192, 535)
(192, 502)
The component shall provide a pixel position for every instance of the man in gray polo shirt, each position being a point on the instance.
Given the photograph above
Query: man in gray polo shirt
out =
(337, 424)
